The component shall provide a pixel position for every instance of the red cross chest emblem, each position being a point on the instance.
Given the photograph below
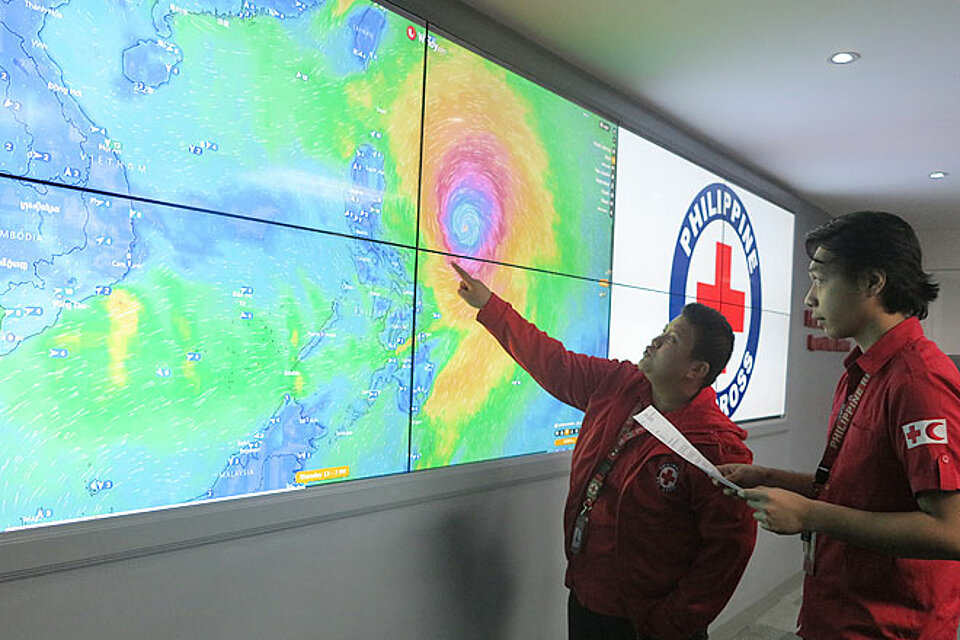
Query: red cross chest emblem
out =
(667, 476)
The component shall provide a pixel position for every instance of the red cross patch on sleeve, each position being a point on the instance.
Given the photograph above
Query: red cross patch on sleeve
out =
(925, 432)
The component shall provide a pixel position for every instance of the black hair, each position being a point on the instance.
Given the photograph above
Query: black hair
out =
(872, 240)
(713, 343)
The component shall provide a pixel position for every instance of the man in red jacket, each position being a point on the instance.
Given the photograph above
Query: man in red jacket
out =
(654, 550)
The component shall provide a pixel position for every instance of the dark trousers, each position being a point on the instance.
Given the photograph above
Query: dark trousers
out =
(583, 624)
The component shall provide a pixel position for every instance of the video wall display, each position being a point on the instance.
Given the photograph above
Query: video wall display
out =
(225, 266)
(513, 173)
(691, 236)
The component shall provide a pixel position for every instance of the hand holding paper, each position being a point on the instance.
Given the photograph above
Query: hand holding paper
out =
(661, 428)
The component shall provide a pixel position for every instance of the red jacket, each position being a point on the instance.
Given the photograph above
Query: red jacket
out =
(664, 547)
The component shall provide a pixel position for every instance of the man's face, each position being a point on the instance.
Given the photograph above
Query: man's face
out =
(667, 358)
(834, 298)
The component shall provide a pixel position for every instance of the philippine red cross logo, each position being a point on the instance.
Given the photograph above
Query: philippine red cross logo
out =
(667, 476)
(716, 248)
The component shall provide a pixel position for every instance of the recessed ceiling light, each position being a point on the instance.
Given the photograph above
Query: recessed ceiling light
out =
(939, 175)
(844, 57)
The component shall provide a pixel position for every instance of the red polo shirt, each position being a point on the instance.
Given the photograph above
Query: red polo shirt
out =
(904, 439)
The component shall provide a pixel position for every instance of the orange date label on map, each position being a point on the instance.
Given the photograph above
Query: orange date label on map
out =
(318, 475)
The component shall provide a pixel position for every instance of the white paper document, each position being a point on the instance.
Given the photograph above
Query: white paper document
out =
(661, 428)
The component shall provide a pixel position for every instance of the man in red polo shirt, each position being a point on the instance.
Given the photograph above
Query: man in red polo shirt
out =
(654, 550)
(881, 517)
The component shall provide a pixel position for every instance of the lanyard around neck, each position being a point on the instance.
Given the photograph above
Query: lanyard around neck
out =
(838, 434)
(596, 484)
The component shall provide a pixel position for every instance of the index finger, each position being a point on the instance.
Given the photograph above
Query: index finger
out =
(754, 496)
(727, 469)
(460, 271)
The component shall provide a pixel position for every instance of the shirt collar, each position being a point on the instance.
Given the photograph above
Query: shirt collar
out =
(886, 347)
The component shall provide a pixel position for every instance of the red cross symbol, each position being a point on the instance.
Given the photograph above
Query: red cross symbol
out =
(721, 296)
(914, 434)
(667, 476)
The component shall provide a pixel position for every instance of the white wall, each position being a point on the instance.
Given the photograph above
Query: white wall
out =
(940, 257)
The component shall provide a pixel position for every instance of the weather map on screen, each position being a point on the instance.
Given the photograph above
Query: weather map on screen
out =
(471, 401)
(513, 173)
(301, 111)
(152, 356)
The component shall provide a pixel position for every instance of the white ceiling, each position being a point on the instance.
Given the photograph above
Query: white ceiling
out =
(751, 77)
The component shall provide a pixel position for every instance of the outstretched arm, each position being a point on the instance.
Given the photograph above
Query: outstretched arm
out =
(570, 377)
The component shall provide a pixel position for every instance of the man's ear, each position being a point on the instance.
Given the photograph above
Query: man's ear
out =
(874, 281)
(698, 371)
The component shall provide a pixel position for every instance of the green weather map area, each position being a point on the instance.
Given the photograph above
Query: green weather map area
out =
(212, 279)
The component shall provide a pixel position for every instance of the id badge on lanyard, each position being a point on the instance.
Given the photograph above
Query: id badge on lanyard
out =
(809, 551)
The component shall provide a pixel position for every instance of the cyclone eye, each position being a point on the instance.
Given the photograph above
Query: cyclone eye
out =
(471, 196)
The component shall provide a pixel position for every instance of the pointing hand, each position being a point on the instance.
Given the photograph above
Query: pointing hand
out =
(474, 292)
